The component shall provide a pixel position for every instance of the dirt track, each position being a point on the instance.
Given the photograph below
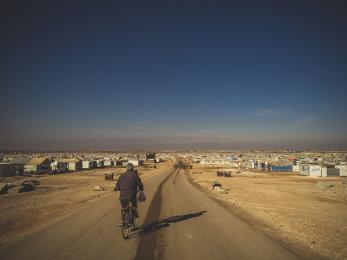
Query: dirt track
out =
(181, 222)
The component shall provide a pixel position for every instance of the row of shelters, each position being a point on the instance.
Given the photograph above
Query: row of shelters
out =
(323, 164)
(316, 170)
(41, 165)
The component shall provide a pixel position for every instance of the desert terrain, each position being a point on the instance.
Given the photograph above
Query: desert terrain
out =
(252, 216)
(48, 198)
(309, 212)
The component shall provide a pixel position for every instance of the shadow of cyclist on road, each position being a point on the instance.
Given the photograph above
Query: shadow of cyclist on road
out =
(163, 223)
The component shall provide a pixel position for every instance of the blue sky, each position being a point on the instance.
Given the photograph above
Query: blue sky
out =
(193, 75)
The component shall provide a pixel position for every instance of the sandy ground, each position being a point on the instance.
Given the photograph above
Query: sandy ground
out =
(54, 196)
(308, 212)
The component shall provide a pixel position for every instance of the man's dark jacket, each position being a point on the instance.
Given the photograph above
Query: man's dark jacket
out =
(127, 184)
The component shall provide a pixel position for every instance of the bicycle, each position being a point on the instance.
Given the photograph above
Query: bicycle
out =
(129, 219)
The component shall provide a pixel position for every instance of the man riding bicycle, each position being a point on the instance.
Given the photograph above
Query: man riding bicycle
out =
(128, 184)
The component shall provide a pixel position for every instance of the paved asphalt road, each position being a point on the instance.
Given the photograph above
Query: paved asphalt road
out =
(178, 221)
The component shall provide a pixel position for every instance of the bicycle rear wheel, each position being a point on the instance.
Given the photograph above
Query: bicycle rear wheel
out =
(125, 225)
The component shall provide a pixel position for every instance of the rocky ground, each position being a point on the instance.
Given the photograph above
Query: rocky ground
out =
(31, 202)
(309, 212)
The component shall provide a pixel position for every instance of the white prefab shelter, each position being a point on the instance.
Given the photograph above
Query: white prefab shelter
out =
(107, 163)
(72, 166)
(59, 166)
(342, 169)
(304, 170)
(296, 168)
(86, 164)
(212, 161)
(134, 162)
(124, 164)
(244, 164)
(98, 163)
(315, 170)
(54, 165)
(250, 165)
(330, 171)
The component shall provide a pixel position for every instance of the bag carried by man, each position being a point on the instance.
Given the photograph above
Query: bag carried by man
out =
(142, 196)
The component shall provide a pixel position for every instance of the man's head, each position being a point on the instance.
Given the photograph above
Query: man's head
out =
(130, 167)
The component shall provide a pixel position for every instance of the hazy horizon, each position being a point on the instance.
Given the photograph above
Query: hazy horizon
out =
(136, 145)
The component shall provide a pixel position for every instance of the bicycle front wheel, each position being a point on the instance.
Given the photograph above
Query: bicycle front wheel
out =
(125, 232)
(135, 223)
(125, 225)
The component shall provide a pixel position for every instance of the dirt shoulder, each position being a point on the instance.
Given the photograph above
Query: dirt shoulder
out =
(307, 212)
(54, 196)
